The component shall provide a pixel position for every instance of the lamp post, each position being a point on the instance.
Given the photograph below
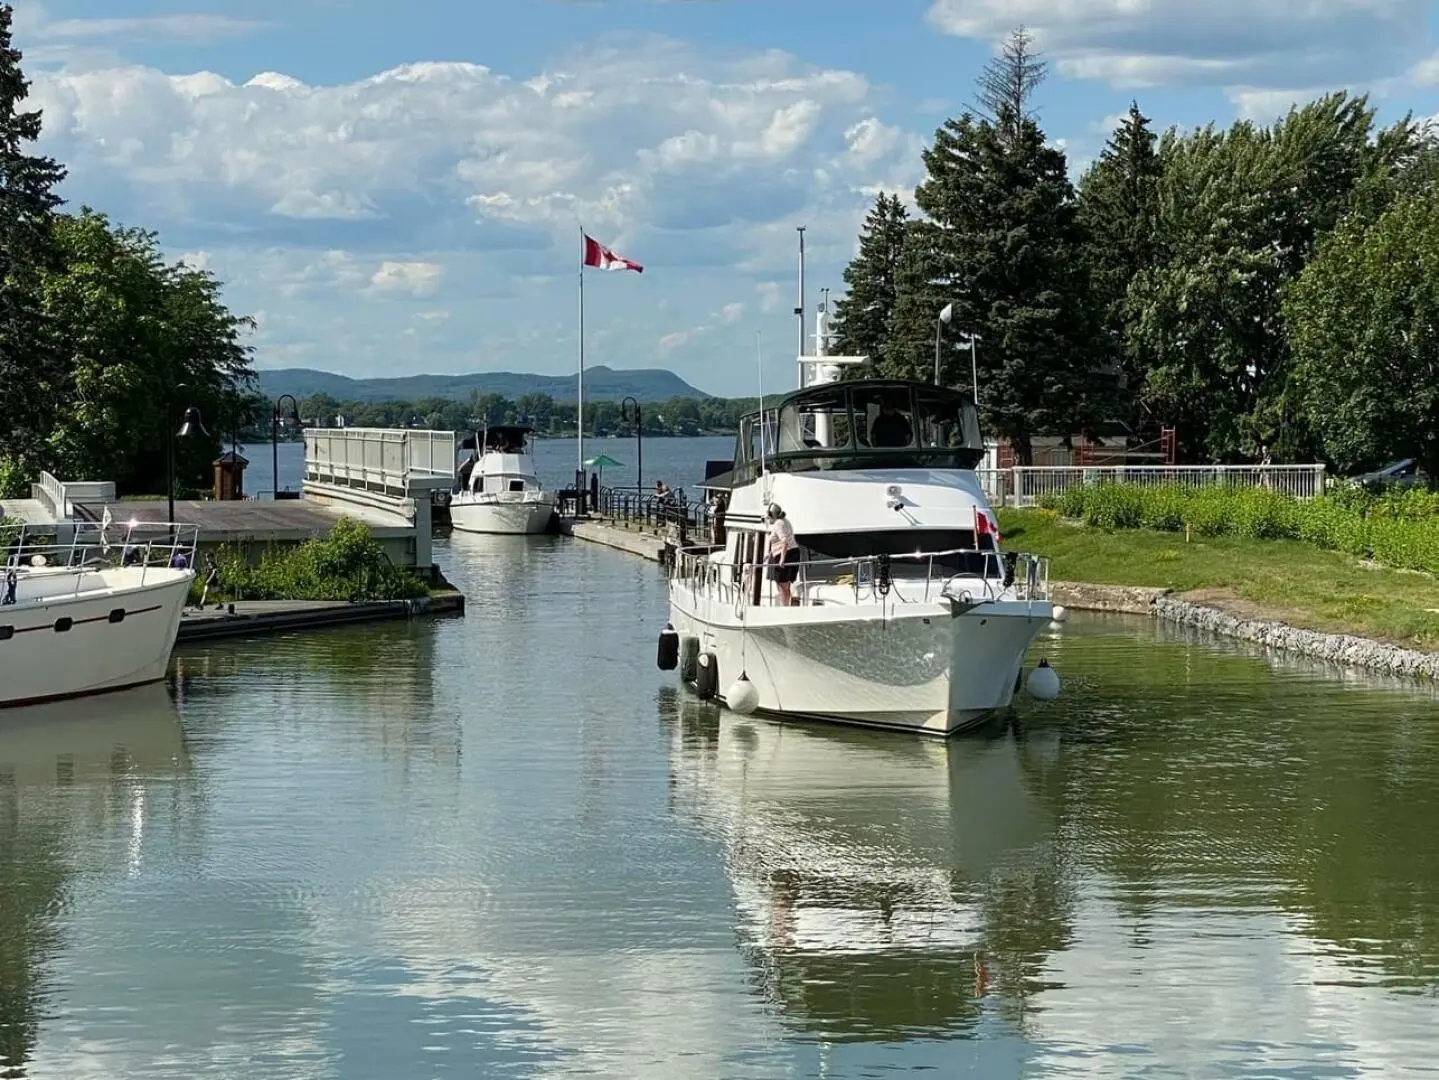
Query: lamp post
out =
(946, 316)
(190, 427)
(630, 412)
(275, 436)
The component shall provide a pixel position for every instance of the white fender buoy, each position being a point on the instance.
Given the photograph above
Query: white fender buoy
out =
(1043, 682)
(742, 697)
(1060, 613)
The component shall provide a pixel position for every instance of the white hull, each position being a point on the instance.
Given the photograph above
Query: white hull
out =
(906, 666)
(40, 663)
(530, 516)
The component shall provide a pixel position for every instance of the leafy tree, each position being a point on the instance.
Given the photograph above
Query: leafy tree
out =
(1240, 212)
(862, 316)
(143, 340)
(1000, 241)
(1118, 215)
(28, 363)
(1363, 321)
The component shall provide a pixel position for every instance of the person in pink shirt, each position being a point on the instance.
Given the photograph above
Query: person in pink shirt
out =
(782, 552)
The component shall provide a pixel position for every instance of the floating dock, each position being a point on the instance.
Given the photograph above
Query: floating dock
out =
(248, 618)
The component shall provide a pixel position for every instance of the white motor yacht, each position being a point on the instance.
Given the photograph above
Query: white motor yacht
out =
(903, 612)
(498, 490)
(90, 607)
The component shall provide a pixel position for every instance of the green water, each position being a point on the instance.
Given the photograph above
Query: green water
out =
(508, 846)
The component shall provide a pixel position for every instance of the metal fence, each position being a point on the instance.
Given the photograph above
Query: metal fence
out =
(646, 510)
(1026, 485)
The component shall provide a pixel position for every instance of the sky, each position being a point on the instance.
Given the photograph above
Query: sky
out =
(392, 189)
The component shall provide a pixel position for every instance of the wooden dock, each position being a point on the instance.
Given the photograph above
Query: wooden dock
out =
(247, 618)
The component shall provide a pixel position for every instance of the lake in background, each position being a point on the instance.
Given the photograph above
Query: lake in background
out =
(505, 845)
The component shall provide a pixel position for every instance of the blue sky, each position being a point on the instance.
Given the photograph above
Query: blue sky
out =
(394, 196)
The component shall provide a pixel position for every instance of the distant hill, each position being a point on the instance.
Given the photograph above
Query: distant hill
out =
(601, 384)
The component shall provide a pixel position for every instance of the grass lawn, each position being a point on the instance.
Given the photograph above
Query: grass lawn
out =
(1281, 580)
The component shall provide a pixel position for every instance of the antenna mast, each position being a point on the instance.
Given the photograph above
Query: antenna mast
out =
(799, 311)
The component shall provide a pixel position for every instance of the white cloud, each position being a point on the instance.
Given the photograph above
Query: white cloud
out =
(305, 196)
(1426, 72)
(1230, 43)
(411, 278)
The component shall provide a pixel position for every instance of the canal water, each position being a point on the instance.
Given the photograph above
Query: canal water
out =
(507, 846)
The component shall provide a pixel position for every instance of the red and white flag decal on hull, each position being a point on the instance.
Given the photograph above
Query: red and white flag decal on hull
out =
(597, 255)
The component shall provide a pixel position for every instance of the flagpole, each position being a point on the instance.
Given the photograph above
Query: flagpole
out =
(580, 396)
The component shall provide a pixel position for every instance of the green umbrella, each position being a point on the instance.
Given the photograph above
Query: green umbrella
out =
(600, 461)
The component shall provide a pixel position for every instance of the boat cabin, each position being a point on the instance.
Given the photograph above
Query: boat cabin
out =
(500, 465)
(861, 424)
(865, 469)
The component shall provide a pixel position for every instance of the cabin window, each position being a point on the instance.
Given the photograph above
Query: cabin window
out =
(898, 544)
(883, 418)
(6, 633)
(819, 422)
(944, 422)
(517, 485)
(479, 484)
(63, 623)
(117, 615)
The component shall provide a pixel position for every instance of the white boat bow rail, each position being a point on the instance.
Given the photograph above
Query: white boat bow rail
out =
(53, 550)
(918, 578)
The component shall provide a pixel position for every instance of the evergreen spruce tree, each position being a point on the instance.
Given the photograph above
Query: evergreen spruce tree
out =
(1118, 213)
(863, 314)
(28, 362)
(1000, 241)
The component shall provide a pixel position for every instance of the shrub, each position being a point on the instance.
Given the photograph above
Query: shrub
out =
(1399, 528)
(346, 564)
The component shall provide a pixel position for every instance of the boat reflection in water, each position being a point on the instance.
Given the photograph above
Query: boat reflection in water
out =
(128, 733)
(884, 888)
(75, 773)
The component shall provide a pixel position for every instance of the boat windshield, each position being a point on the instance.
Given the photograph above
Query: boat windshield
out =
(863, 425)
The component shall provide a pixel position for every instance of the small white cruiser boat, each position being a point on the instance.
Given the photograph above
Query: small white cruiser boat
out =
(904, 613)
(497, 490)
(91, 612)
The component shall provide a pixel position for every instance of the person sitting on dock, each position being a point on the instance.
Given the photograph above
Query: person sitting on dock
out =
(782, 553)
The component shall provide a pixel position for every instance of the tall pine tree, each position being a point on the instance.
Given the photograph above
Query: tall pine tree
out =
(1000, 241)
(29, 363)
(1118, 213)
(864, 313)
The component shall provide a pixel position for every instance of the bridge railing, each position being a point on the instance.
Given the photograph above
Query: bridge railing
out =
(61, 496)
(387, 461)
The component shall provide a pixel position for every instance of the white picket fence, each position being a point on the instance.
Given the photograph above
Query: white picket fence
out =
(1025, 485)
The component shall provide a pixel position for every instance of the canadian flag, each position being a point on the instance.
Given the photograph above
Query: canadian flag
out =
(597, 255)
(985, 525)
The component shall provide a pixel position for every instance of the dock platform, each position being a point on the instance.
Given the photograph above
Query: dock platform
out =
(251, 520)
(634, 541)
(255, 617)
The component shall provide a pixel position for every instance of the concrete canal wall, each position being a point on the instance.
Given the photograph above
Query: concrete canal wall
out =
(1131, 600)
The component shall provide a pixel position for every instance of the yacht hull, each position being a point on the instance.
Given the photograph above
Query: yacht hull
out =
(93, 655)
(511, 518)
(908, 667)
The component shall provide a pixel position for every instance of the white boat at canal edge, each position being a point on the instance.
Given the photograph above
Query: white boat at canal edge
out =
(905, 614)
(498, 489)
(90, 613)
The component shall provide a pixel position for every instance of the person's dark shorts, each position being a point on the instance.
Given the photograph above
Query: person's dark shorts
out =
(787, 569)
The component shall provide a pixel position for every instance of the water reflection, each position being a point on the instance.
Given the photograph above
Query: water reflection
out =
(884, 887)
(90, 769)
